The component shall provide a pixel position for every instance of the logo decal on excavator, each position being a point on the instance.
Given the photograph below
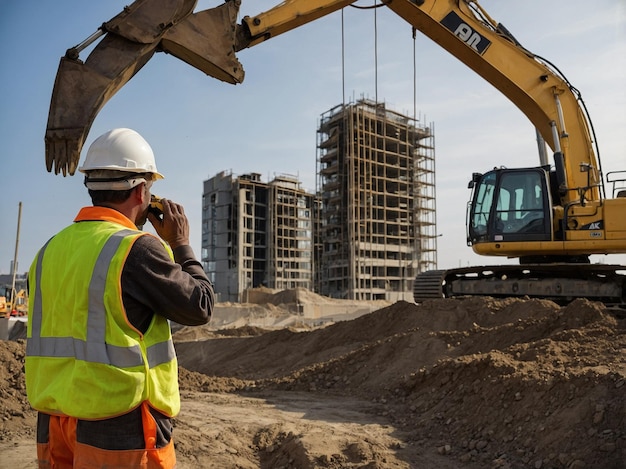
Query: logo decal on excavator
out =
(466, 33)
(596, 225)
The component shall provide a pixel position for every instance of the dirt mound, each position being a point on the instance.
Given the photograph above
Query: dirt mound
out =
(485, 381)
(450, 383)
(16, 416)
(285, 297)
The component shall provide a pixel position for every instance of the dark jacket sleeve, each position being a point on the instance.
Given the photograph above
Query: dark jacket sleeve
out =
(153, 284)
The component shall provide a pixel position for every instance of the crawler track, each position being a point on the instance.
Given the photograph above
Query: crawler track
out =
(561, 283)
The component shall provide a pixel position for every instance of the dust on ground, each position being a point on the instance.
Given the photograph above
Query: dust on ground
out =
(471, 383)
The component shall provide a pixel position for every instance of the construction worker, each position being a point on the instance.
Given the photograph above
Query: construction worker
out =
(101, 369)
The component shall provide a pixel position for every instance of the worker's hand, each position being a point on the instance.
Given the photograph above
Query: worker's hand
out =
(173, 227)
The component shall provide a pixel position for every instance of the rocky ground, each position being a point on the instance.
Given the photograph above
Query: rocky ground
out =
(474, 383)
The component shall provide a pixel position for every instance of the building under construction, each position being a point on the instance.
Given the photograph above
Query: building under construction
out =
(376, 181)
(256, 234)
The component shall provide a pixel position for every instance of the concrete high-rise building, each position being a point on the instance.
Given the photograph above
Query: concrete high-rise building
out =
(256, 234)
(376, 181)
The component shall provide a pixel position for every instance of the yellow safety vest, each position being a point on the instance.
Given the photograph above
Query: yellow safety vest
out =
(83, 357)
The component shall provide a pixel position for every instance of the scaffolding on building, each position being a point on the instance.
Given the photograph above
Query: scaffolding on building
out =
(376, 183)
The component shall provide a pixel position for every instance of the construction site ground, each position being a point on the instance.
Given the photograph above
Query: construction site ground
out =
(470, 383)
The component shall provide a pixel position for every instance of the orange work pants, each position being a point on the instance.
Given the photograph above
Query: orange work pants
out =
(59, 447)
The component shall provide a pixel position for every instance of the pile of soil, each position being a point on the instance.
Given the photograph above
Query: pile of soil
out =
(472, 383)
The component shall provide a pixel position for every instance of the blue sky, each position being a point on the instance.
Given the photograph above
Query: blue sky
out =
(199, 126)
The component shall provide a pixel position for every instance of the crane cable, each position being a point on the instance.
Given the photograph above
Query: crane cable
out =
(414, 31)
(343, 61)
(375, 7)
(376, 52)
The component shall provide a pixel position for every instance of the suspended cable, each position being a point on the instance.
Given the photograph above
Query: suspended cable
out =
(414, 76)
(369, 7)
(343, 61)
(375, 52)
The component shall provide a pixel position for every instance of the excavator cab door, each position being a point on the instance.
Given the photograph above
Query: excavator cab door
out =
(510, 205)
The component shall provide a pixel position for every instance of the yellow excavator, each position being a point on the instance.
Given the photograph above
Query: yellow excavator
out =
(13, 303)
(552, 217)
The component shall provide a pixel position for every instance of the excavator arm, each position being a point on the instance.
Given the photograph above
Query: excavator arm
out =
(208, 40)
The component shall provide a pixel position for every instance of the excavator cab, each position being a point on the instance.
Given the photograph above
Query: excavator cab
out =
(510, 205)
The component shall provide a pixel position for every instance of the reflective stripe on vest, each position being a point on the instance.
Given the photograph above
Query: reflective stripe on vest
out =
(94, 348)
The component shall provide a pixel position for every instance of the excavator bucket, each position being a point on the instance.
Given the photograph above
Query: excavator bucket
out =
(204, 40)
(81, 90)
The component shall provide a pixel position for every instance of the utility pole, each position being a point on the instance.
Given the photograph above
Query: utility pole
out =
(17, 242)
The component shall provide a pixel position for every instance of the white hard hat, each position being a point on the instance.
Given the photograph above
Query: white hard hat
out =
(121, 150)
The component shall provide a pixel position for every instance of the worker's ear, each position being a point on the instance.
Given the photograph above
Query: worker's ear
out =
(141, 193)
